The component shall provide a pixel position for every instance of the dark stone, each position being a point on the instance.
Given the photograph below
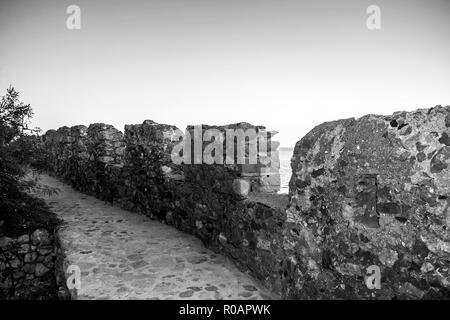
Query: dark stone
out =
(406, 132)
(370, 221)
(197, 260)
(194, 288)
(440, 159)
(139, 264)
(186, 294)
(245, 294)
(420, 249)
(421, 157)
(250, 287)
(420, 147)
(327, 260)
(302, 184)
(342, 189)
(317, 172)
(389, 208)
(342, 163)
(363, 238)
(445, 139)
(366, 199)
(401, 219)
(211, 288)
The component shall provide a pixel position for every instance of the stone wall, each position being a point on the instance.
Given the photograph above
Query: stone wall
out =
(373, 191)
(136, 171)
(27, 266)
(367, 192)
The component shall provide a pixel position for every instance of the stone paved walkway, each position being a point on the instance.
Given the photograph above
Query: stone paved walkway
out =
(125, 255)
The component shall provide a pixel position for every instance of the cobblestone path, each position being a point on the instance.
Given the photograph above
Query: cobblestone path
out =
(125, 255)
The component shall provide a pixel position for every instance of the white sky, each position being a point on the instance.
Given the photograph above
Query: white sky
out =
(288, 65)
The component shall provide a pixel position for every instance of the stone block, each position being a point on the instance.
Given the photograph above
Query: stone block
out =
(241, 187)
(40, 236)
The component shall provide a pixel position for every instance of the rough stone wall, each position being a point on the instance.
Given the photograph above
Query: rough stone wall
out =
(27, 266)
(373, 191)
(214, 202)
(142, 186)
(364, 192)
(262, 176)
(135, 170)
(247, 230)
(85, 157)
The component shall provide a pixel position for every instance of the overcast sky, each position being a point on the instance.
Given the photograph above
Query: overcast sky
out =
(288, 65)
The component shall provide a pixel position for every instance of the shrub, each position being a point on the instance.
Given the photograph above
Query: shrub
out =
(19, 212)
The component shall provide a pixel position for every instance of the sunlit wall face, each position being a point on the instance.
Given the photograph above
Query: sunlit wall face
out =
(289, 65)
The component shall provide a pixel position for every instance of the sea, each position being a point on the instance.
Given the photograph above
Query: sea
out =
(285, 168)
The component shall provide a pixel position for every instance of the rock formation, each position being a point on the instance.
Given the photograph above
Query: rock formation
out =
(373, 191)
